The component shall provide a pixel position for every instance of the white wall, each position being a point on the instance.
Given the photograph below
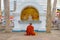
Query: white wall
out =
(21, 4)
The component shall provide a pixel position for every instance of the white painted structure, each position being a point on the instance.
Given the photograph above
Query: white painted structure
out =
(38, 4)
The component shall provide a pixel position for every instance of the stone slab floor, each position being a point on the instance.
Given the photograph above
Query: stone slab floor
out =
(54, 35)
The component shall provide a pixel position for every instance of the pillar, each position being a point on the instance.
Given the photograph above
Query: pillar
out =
(0, 16)
(48, 21)
(0, 5)
(54, 9)
(7, 14)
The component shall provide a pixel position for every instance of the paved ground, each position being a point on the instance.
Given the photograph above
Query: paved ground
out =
(54, 35)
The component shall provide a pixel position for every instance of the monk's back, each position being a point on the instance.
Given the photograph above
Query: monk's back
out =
(30, 28)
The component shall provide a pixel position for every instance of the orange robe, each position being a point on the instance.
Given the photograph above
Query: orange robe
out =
(30, 30)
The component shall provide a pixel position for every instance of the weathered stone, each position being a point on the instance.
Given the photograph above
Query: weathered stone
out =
(48, 21)
(7, 15)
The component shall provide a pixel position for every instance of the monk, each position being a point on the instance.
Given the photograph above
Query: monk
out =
(30, 30)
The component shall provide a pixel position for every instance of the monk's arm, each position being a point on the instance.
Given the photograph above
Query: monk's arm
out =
(26, 28)
(32, 28)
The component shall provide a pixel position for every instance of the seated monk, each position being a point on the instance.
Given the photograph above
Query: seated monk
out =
(30, 30)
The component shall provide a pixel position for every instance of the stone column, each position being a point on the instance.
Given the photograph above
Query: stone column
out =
(54, 9)
(7, 14)
(0, 5)
(0, 15)
(48, 20)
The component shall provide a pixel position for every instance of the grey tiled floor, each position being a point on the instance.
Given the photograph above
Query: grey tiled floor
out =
(54, 35)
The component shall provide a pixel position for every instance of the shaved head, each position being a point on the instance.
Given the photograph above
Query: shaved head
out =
(30, 23)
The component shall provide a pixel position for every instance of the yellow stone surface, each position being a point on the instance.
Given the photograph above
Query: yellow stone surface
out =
(29, 11)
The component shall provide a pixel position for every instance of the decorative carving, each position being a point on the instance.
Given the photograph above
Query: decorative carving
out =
(28, 12)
